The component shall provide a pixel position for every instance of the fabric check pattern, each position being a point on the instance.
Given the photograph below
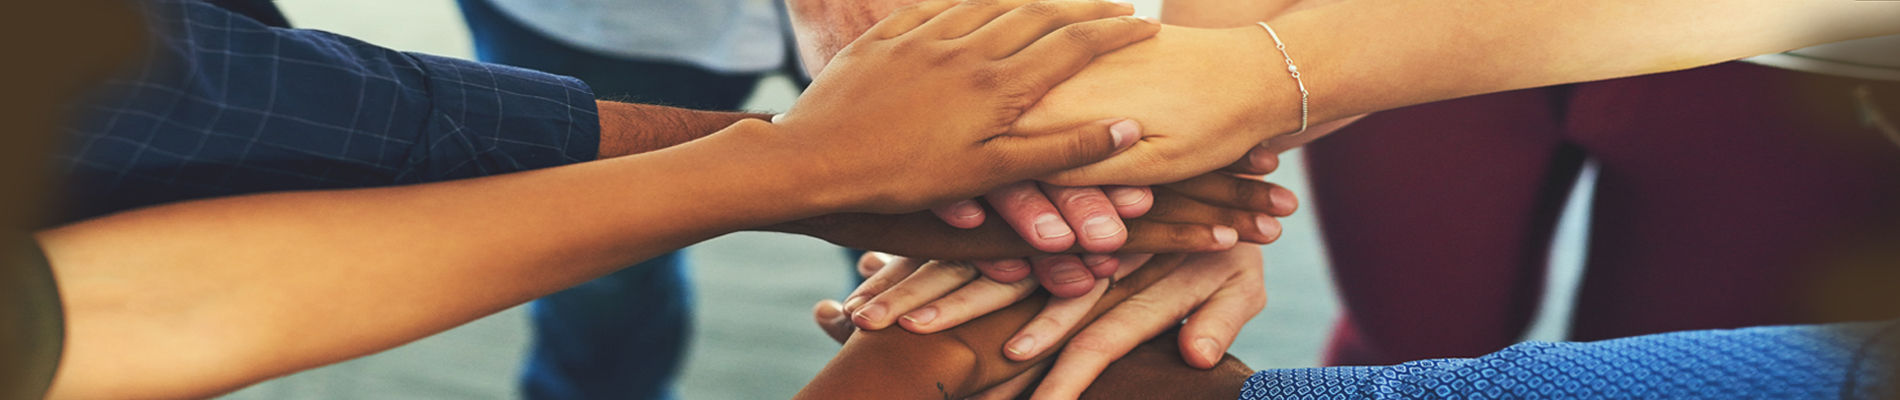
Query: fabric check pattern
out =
(1843, 361)
(226, 105)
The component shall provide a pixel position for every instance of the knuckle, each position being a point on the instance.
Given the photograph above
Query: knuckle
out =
(911, 9)
(1182, 234)
(1244, 189)
(895, 294)
(983, 3)
(942, 56)
(990, 79)
(1099, 345)
(1053, 324)
(1083, 34)
(1256, 301)
(1041, 9)
(1085, 199)
(962, 270)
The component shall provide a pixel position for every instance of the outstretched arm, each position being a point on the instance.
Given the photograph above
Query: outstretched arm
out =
(198, 298)
(1207, 96)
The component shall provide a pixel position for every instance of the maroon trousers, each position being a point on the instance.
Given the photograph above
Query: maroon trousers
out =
(1719, 190)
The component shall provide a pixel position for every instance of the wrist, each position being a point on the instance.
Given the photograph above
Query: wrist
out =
(628, 129)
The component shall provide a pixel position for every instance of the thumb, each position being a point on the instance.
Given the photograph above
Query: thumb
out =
(1039, 155)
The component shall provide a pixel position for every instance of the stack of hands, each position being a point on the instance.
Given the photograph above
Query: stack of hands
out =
(1174, 184)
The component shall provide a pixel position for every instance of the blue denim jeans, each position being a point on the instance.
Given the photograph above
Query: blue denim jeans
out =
(621, 336)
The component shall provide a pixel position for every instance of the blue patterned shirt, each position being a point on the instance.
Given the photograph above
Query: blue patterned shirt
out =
(1841, 361)
(226, 105)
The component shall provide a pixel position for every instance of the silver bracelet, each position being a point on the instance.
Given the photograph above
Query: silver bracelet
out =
(1291, 69)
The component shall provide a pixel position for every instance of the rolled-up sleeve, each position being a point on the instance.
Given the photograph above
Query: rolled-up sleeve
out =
(226, 105)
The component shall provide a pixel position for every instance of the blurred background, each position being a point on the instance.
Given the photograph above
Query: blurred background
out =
(753, 337)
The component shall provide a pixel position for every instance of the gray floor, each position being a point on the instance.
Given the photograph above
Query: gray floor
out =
(754, 339)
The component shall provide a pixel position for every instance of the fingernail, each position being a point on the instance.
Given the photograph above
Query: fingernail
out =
(852, 304)
(1206, 346)
(1128, 197)
(967, 209)
(1151, 20)
(1226, 236)
(1069, 272)
(1127, 5)
(1101, 228)
(1284, 199)
(1022, 346)
(1049, 226)
(1268, 226)
(1125, 133)
(1010, 265)
(923, 315)
(829, 310)
(1096, 259)
(871, 313)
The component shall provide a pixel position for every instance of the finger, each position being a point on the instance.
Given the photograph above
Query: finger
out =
(1010, 270)
(908, 18)
(966, 17)
(1088, 208)
(1056, 319)
(1136, 319)
(930, 282)
(1014, 387)
(1130, 201)
(1253, 227)
(894, 271)
(1146, 236)
(1063, 274)
(1259, 161)
(1212, 328)
(1091, 215)
(964, 214)
(976, 299)
(1101, 265)
(1025, 25)
(871, 262)
(1059, 55)
(830, 317)
(1028, 210)
(1235, 192)
(1039, 155)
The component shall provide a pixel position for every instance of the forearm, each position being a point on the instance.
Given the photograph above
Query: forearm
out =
(1360, 56)
(192, 299)
(1227, 13)
(628, 128)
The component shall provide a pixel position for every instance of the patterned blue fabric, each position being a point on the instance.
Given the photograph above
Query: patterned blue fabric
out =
(227, 106)
(1844, 361)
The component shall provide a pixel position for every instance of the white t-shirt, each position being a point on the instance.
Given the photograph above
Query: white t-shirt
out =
(734, 36)
(1875, 58)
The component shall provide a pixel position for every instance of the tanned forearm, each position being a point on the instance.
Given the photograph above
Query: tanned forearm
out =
(628, 128)
(1359, 56)
(191, 299)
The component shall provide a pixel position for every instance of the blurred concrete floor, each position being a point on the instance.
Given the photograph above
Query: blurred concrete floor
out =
(753, 336)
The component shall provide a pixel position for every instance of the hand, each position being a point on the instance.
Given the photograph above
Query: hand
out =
(1217, 293)
(1025, 205)
(1226, 91)
(917, 112)
(1218, 101)
(1207, 213)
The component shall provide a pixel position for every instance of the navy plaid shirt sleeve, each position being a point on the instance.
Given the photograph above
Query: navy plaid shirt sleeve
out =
(227, 105)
